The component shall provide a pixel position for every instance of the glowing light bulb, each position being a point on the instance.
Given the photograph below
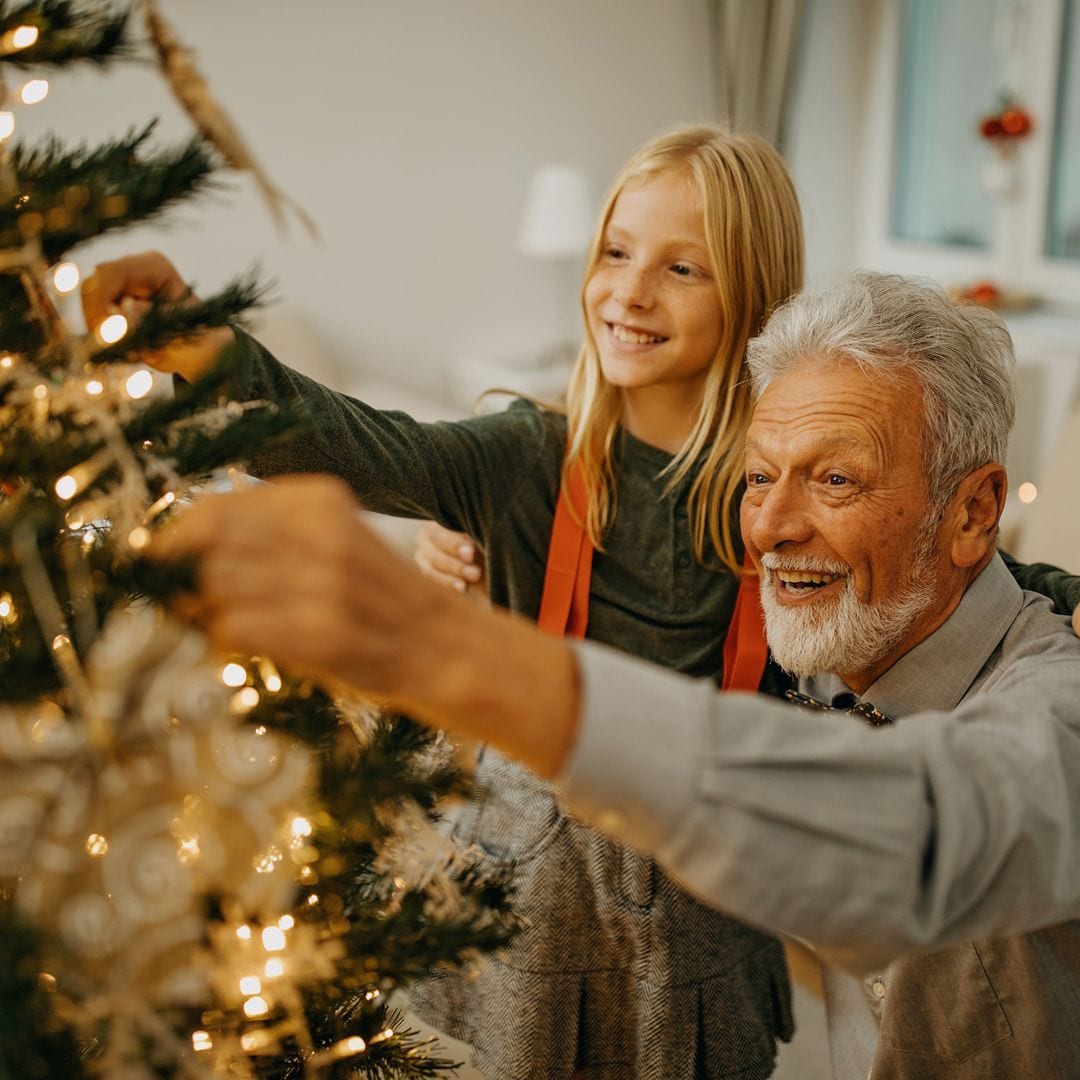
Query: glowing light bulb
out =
(270, 677)
(113, 328)
(251, 1042)
(41, 392)
(6, 606)
(30, 93)
(234, 675)
(7, 123)
(1027, 492)
(95, 387)
(96, 846)
(301, 827)
(355, 1045)
(274, 968)
(139, 383)
(245, 699)
(7, 361)
(65, 277)
(286, 922)
(200, 1041)
(250, 984)
(273, 939)
(22, 37)
(256, 1006)
(66, 486)
(139, 539)
(244, 932)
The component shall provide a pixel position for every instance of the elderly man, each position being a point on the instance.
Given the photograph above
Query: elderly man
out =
(932, 807)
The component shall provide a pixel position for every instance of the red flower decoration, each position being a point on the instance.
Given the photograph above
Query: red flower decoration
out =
(1010, 122)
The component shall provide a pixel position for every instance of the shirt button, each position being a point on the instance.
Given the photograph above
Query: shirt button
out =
(878, 987)
(682, 560)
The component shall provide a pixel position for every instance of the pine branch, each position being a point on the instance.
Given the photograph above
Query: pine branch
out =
(196, 453)
(410, 943)
(68, 198)
(165, 323)
(69, 34)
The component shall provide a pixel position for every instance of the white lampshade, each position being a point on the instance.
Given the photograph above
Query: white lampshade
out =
(558, 218)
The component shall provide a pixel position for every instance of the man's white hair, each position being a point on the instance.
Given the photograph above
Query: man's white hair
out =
(961, 355)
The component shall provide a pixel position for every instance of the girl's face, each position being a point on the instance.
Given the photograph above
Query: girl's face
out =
(652, 304)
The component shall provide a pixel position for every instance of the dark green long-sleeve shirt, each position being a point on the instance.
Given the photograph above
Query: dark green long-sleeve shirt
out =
(496, 478)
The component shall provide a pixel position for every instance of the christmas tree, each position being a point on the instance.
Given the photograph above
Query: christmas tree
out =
(207, 867)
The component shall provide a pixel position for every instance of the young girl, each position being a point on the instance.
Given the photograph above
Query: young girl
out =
(622, 973)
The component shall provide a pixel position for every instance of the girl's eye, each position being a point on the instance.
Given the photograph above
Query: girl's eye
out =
(683, 270)
(756, 479)
(613, 252)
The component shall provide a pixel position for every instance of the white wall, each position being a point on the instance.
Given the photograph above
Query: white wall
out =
(408, 129)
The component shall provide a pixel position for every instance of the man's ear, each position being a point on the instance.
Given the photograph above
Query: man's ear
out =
(975, 511)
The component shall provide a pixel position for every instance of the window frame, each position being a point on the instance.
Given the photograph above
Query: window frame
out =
(1015, 258)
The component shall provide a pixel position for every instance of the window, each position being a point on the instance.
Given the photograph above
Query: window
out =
(946, 199)
(1063, 220)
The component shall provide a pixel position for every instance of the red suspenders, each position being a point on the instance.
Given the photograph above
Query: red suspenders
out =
(564, 606)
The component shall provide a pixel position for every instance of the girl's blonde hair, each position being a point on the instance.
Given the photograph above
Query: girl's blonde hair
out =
(753, 232)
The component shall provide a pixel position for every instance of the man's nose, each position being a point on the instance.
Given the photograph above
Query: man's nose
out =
(781, 516)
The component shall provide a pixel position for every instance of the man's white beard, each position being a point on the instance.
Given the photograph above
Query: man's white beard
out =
(845, 635)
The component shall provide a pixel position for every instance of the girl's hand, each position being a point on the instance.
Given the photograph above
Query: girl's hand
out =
(449, 558)
(126, 286)
(1076, 622)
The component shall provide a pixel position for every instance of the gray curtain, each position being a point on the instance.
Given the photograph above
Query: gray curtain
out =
(755, 47)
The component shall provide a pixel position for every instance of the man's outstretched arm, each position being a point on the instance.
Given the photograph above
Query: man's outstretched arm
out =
(289, 570)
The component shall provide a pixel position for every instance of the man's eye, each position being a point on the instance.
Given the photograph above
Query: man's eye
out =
(836, 480)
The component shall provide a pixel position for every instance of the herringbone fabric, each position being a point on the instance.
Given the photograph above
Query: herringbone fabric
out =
(623, 975)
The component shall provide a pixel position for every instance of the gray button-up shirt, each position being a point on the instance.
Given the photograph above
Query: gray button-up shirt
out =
(959, 824)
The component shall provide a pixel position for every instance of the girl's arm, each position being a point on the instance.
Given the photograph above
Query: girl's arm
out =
(1059, 585)
(461, 474)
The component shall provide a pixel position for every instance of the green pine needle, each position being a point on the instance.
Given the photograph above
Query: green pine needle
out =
(69, 34)
(165, 323)
(70, 197)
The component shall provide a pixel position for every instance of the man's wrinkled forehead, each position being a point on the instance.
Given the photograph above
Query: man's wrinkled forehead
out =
(834, 404)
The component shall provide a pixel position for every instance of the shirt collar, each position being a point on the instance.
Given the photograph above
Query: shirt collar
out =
(937, 672)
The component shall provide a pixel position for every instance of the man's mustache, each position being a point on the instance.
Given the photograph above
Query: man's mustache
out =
(774, 561)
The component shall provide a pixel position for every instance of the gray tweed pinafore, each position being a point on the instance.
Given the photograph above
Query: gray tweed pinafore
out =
(622, 974)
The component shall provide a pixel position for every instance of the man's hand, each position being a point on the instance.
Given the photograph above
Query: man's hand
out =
(126, 286)
(450, 558)
(1076, 622)
(288, 570)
